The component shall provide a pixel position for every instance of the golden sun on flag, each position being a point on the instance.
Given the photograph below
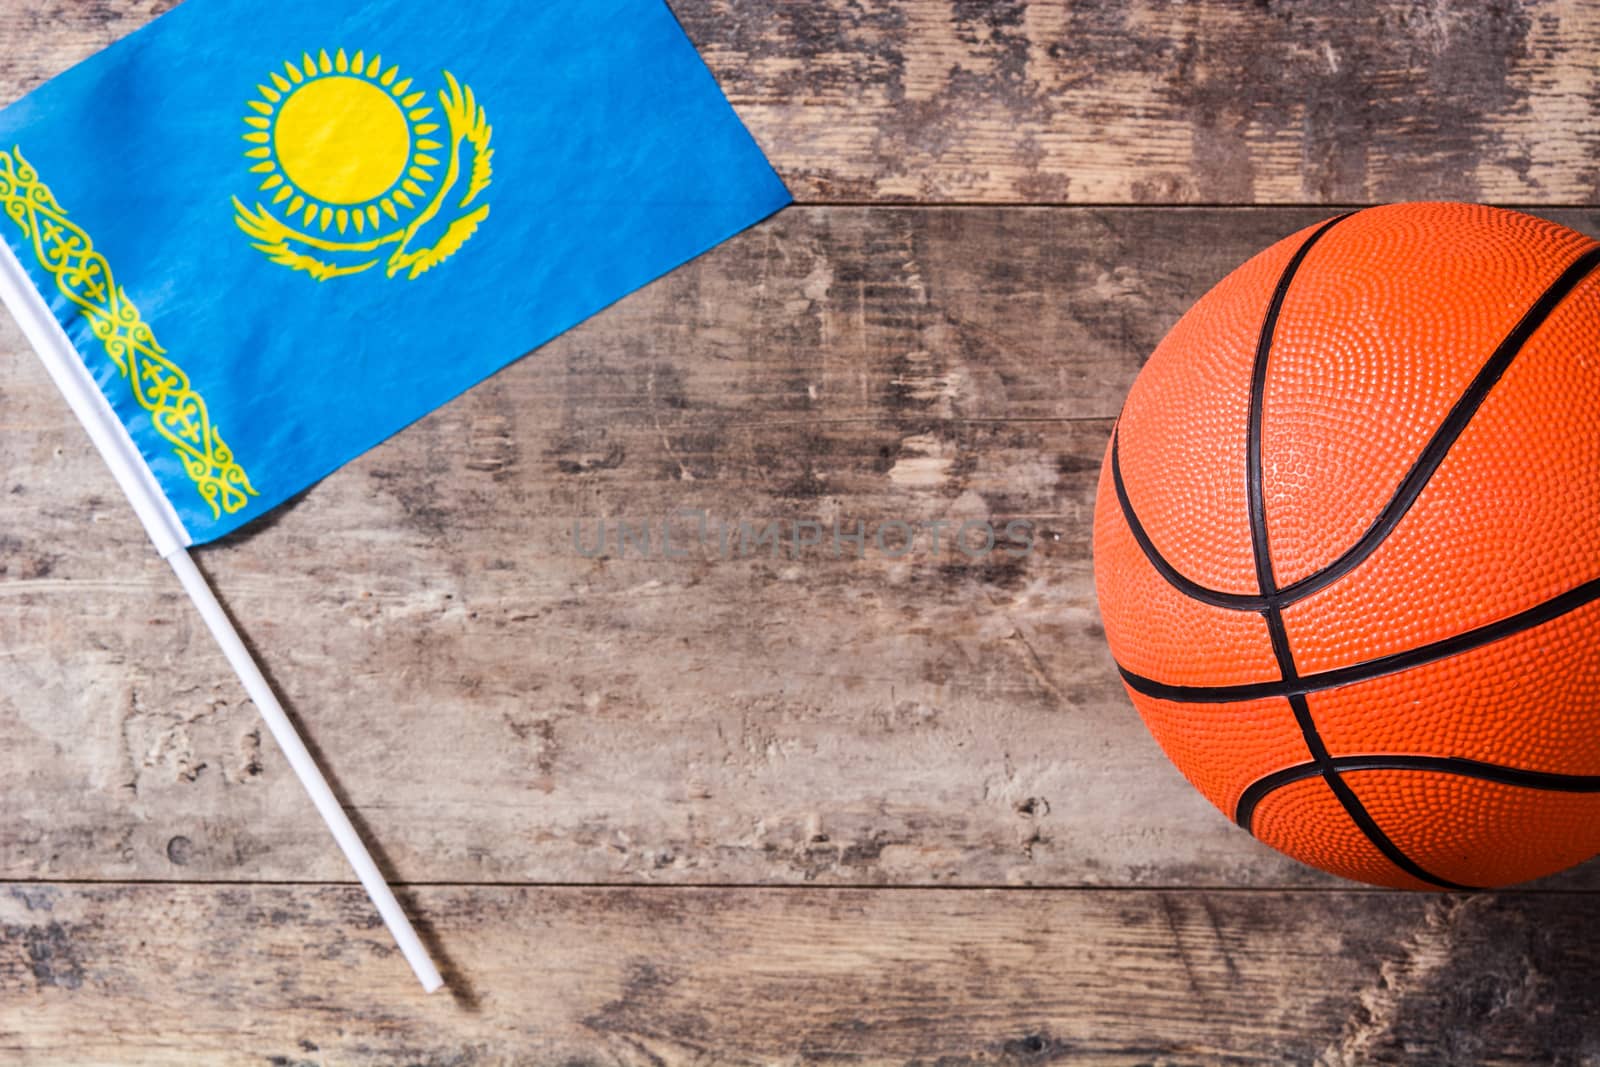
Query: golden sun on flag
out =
(344, 144)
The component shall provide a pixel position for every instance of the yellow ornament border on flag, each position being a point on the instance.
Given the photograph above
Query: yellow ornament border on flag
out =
(159, 385)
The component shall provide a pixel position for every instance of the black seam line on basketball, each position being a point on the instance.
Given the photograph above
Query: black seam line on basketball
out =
(1254, 464)
(1459, 766)
(1449, 430)
(1405, 495)
(1261, 549)
(1551, 609)
(1175, 578)
(1329, 769)
(1188, 586)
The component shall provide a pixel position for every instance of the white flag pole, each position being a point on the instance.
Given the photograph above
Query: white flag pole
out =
(305, 768)
(171, 540)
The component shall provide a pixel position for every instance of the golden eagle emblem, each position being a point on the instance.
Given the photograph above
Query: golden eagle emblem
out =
(357, 169)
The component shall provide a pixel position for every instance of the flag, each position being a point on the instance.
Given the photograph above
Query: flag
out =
(251, 241)
(275, 234)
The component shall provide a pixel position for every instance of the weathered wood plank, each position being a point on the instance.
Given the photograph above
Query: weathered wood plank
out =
(1289, 101)
(297, 975)
(499, 707)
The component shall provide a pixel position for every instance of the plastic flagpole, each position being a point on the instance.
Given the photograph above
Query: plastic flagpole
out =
(171, 540)
(305, 768)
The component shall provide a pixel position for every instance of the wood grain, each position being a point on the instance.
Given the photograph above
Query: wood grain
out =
(499, 707)
(1287, 101)
(301, 976)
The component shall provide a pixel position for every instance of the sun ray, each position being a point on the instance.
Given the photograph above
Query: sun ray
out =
(340, 140)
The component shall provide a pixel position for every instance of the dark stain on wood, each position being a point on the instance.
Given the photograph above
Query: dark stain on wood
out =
(1287, 101)
(52, 957)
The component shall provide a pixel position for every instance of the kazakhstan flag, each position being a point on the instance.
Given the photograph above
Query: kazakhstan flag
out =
(277, 233)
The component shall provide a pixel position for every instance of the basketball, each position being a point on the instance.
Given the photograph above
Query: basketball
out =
(1347, 546)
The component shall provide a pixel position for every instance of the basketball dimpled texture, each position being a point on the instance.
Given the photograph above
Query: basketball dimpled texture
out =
(1347, 546)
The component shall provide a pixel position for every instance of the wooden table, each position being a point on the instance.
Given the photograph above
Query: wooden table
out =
(755, 810)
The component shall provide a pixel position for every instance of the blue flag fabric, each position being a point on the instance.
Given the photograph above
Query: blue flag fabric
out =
(278, 233)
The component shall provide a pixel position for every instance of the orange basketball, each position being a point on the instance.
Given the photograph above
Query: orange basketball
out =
(1347, 546)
